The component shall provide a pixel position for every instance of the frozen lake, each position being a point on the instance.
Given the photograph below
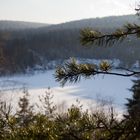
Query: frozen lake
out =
(104, 87)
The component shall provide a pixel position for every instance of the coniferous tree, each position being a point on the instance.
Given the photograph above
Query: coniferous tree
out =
(72, 72)
(25, 110)
(133, 109)
(133, 104)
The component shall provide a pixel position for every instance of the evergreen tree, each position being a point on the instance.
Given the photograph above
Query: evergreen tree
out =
(133, 108)
(25, 111)
(133, 105)
(72, 72)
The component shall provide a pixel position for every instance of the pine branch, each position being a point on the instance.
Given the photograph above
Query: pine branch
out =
(89, 36)
(72, 71)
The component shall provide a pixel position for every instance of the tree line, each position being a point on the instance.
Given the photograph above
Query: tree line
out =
(27, 48)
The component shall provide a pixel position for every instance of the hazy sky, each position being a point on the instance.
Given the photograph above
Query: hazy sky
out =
(57, 11)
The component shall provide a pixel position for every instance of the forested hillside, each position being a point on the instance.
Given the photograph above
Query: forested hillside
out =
(25, 45)
(19, 25)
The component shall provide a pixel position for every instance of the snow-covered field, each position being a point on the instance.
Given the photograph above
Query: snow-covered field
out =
(103, 87)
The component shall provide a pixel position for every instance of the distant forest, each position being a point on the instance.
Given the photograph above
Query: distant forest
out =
(24, 45)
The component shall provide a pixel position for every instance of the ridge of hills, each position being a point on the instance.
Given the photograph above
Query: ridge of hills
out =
(38, 44)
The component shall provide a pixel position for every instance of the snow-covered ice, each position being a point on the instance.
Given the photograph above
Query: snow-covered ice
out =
(105, 87)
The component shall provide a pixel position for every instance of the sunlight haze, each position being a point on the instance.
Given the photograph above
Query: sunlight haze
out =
(58, 11)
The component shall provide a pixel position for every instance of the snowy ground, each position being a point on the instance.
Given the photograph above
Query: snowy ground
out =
(103, 87)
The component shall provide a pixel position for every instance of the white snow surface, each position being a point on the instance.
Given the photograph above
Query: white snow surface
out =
(89, 91)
